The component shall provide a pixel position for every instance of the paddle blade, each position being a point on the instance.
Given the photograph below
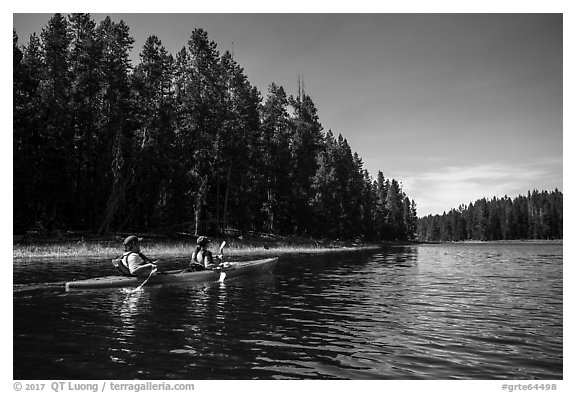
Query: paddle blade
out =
(222, 246)
(152, 272)
(222, 277)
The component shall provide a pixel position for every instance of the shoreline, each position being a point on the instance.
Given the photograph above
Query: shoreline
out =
(234, 247)
(174, 249)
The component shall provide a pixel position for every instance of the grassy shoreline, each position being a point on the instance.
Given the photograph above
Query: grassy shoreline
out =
(163, 249)
(234, 247)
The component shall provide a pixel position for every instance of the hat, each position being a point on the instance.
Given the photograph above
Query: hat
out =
(202, 240)
(130, 240)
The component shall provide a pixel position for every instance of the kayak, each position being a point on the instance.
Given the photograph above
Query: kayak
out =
(230, 270)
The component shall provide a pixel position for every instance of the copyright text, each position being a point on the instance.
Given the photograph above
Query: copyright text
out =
(136, 387)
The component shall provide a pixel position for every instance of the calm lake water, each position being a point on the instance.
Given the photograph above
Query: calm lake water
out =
(450, 311)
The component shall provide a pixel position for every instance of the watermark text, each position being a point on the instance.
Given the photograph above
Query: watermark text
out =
(507, 387)
(95, 387)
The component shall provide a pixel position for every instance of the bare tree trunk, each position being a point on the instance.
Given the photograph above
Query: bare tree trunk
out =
(115, 200)
(118, 193)
(270, 224)
(218, 201)
(200, 197)
(226, 194)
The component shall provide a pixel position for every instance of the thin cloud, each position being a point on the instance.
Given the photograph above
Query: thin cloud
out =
(439, 191)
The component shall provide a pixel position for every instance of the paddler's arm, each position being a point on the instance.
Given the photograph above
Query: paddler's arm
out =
(153, 262)
(208, 260)
(145, 267)
(137, 267)
(146, 259)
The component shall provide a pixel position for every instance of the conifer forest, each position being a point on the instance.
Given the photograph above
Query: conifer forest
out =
(179, 143)
(536, 216)
(184, 143)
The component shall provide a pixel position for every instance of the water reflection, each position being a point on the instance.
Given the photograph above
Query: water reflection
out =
(402, 313)
(129, 310)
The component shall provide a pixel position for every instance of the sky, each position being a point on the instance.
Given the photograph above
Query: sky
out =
(456, 107)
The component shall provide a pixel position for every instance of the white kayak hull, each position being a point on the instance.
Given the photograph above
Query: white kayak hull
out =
(233, 269)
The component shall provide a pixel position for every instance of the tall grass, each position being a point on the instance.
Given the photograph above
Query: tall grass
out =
(173, 249)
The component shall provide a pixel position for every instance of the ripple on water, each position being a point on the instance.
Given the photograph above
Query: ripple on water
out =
(419, 312)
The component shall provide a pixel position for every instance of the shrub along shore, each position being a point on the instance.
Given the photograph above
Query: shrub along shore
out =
(163, 249)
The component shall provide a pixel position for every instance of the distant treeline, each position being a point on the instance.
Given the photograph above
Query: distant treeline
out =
(179, 143)
(536, 216)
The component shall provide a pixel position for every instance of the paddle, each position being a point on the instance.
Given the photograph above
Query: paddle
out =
(221, 248)
(222, 274)
(148, 278)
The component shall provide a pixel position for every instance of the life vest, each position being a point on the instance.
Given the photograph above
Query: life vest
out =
(198, 256)
(197, 262)
(121, 264)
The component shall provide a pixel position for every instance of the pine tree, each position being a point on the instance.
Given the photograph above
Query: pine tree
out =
(86, 106)
(154, 135)
(57, 147)
(410, 218)
(368, 230)
(117, 135)
(327, 191)
(277, 131)
(304, 147)
(27, 77)
(395, 211)
(205, 111)
(239, 152)
(381, 189)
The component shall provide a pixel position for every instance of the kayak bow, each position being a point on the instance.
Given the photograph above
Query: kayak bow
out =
(232, 270)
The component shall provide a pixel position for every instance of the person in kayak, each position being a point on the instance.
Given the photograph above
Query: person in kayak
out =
(137, 263)
(202, 257)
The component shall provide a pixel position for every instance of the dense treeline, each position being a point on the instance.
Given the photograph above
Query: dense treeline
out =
(536, 216)
(179, 143)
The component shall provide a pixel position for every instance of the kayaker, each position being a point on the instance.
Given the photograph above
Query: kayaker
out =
(202, 257)
(138, 264)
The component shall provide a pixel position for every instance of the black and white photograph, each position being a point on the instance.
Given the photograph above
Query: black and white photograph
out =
(202, 197)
